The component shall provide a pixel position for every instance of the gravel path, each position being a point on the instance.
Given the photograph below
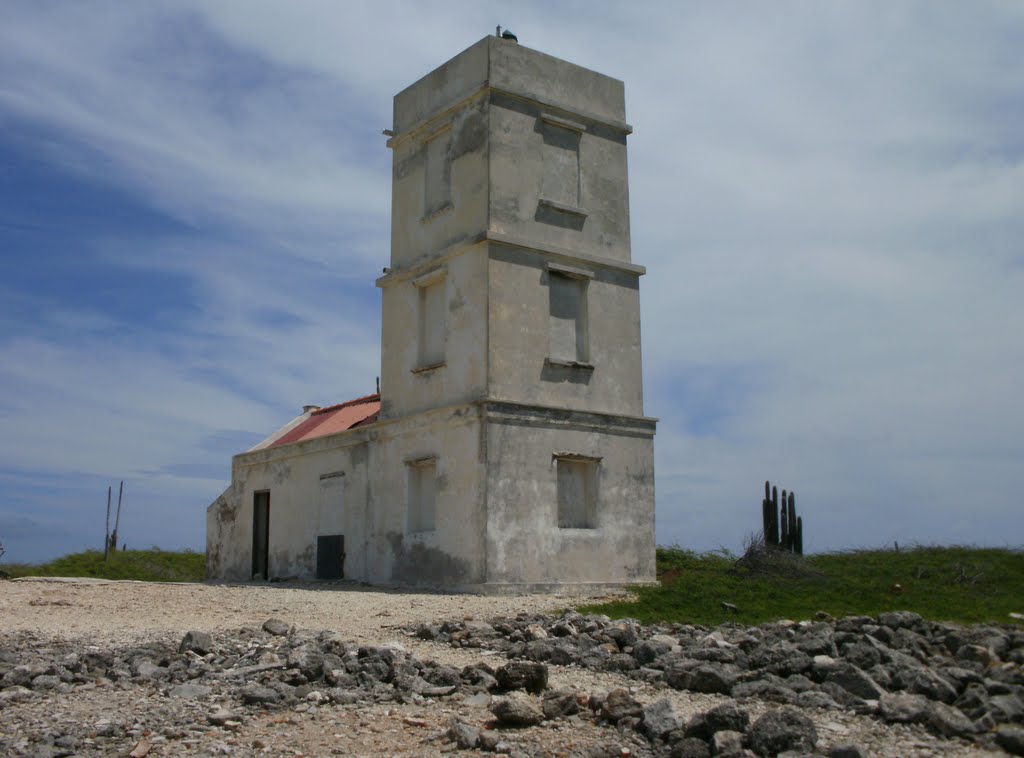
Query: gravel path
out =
(94, 614)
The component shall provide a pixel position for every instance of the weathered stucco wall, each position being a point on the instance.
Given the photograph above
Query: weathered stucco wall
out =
(292, 475)
(597, 221)
(418, 230)
(372, 463)
(463, 377)
(519, 338)
(453, 553)
(525, 546)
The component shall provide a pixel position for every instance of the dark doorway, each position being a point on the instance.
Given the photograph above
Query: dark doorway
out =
(330, 556)
(261, 536)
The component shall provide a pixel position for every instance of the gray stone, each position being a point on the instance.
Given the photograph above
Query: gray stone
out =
(45, 682)
(276, 627)
(712, 679)
(647, 651)
(619, 705)
(477, 700)
(975, 654)
(1011, 739)
(949, 721)
(855, 681)
(559, 704)
(727, 716)
(848, 750)
(344, 697)
(690, 747)
(146, 669)
(901, 708)
(1006, 708)
(16, 694)
(523, 675)
(926, 682)
(900, 619)
(769, 690)
(660, 718)
(197, 642)
(443, 676)
(189, 690)
(726, 742)
(516, 709)
(309, 659)
(489, 740)
(816, 699)
(465, 736)
(862, 655)
(817, 644)
(782, 729)
(257, 694)
(782, 659)
(18, 676)
(220, 716)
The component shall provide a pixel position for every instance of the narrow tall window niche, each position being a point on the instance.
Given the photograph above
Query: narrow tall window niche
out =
(422, 494)
(431, 312)
(332, 499)
(577, 491)
(438, 173)
(561, 183)
(568, 328)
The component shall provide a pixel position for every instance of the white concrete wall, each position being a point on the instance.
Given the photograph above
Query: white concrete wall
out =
(416, 232)
(525, 545)
(374, 519)
(453, 554)
(463, 377)
(518, 338)
(517, 160)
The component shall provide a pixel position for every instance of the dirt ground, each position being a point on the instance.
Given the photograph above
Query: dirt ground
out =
(97, 614)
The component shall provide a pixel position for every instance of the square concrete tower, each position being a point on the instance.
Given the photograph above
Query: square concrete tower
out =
(511, 365)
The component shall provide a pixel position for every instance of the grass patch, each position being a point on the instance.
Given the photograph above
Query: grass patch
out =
(961, 584)
(154, 565)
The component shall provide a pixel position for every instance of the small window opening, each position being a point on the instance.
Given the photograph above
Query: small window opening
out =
(422, 495)
(431, 322)
(568, 318)
(577, 492)
(438, 189)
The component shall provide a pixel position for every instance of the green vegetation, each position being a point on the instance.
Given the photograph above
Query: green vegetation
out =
(961, 584)
(154, 565)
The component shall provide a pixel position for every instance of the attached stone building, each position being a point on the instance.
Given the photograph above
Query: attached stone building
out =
(508, 449)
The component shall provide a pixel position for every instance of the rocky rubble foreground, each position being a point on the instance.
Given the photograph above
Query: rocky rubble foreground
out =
(267, 690)
(959, 682)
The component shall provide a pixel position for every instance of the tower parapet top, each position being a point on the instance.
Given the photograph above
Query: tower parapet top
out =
(510, 68)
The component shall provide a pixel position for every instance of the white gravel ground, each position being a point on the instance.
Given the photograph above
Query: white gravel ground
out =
(98, 612)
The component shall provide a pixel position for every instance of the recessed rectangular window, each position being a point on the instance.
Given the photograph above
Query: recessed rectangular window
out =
(422, 495)
(577, 492)
(332, 500)
(568, 338)
(438, 190)
(561, 183)
(431, 295)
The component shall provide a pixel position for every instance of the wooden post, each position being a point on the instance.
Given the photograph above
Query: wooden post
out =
(117, 521)
(106, 535)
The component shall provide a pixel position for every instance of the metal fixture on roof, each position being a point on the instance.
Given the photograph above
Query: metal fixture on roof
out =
(310, 408)
(507, 34)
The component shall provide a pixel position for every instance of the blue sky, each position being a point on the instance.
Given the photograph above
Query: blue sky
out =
(194, 202)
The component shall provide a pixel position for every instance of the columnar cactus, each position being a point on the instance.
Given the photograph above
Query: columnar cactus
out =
(780, 525)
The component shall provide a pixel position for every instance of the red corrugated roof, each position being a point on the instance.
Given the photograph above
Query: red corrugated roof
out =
(334, 418)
